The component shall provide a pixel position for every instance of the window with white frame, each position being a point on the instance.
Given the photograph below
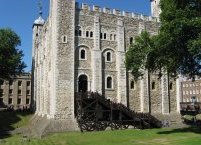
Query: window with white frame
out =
(109, 82)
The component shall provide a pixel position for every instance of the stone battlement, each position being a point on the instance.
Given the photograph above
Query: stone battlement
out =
(116, 12)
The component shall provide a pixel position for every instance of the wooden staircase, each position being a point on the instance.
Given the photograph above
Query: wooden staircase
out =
(95, 112)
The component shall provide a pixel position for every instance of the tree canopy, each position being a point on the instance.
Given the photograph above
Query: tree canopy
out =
(177, 47)
(11, 62)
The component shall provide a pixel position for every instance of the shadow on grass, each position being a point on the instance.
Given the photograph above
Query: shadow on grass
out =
(183, 130)
(9, 121)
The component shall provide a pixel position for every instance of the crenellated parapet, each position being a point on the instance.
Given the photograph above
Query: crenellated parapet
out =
(119, 13)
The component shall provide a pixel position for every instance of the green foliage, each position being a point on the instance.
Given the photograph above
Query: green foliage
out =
(136, 57)
(177, 47)
(188, 117)
(198, 117)
(10, 56)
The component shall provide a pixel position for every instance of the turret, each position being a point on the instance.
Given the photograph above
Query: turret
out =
(37, 29)
(155, 8)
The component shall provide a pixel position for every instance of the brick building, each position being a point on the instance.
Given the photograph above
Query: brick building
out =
(190, 90)
(16, 93)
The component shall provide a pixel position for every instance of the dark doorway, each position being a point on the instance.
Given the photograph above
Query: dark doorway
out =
(83, 83)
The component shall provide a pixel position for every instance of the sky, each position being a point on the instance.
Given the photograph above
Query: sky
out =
(19, 15)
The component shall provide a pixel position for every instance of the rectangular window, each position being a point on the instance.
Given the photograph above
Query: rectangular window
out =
(19, 101)
(10, 91)
(27, 101)
(10, 101)
(19, 92)
(28, 83)
(19, 83)
(28, 92)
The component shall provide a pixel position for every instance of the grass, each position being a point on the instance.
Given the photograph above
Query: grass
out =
(165, 136)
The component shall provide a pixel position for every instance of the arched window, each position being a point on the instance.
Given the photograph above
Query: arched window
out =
(108, 57)
(83, 54)
(101, 35)
(91, 34)
(114, 37)
(153, 85)
(87, 33)
(171, 86)
(105, 36)
(131, 40)
(111, 36)
(109, 82)
(132, 84)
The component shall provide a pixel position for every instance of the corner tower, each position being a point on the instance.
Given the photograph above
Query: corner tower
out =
(155, 8)
(62, 19)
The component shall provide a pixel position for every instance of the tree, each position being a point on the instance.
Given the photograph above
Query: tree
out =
(11, 62)
(139, 53)
(177, 47)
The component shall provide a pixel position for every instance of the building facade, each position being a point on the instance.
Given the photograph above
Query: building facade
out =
(16, 93)
(80, 49)
(191, 90)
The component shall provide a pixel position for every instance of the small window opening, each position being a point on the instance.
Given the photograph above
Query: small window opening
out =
(91, 34)
(105, 36)
(171, 86)
(153, 85)
(109, 82)
(87, 33)
(132, 84)
(101, 35)
(108, 56)
(83, 54)
(131, 40)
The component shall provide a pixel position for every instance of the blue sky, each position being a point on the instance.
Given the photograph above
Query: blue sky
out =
(19, 15)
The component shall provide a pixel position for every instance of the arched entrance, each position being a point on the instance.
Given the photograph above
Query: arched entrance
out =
(82, 83)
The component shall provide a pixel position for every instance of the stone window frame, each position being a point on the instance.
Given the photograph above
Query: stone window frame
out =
(106, 82)
(89, 32)
(112, 36)
(80, 51)
(64, 39)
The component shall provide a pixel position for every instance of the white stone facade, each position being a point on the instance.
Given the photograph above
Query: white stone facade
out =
(83, 49)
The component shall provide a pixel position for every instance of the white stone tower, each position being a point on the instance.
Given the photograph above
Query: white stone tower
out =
(155, 8)
(37, 30)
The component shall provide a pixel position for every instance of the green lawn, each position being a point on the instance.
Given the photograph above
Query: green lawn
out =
(186, 136)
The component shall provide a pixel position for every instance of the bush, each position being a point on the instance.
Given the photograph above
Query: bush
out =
(198, 117)
(188, 118)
